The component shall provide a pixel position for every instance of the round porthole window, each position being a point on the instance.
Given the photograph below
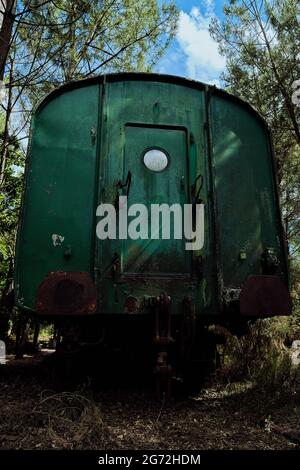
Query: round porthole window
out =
(156, 159)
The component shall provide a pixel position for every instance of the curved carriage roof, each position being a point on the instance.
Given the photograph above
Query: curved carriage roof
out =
(149, 77)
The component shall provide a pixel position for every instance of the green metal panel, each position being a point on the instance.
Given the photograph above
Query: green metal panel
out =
(156, 256)
(136, 116)
(60, 192)
(247, 215)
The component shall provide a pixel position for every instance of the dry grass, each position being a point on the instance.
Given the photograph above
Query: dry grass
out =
(262, 358)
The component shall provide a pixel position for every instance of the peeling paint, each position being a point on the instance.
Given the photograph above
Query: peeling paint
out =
(57, 239)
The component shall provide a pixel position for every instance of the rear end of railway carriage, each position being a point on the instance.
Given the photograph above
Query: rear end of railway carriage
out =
(156, 140)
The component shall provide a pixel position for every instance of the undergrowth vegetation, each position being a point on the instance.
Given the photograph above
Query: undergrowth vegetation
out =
(263, 357)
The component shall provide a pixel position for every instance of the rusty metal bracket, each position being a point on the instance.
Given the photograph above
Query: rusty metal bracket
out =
(265, 296)
(66, 293)
(163, 320)
(163, 339)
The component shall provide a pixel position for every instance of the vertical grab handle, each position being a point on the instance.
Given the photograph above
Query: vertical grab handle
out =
(121, 185)
(127, 183)
(195, 193)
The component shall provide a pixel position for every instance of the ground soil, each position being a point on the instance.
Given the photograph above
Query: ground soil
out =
(39, 413)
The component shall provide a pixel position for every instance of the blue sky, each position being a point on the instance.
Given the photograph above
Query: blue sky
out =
(193, 53)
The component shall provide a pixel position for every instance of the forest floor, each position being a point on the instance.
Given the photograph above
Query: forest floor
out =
(36, 413)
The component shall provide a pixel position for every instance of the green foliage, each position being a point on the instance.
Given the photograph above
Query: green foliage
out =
(10, 199)
(290, 194)
(72, 39)
(46, 333)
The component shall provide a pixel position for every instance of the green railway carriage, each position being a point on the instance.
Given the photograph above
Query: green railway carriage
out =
(97, 139)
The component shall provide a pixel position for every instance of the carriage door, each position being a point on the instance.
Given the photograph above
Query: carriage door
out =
(155, 161)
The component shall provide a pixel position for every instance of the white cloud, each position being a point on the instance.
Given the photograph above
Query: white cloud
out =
(202, 59)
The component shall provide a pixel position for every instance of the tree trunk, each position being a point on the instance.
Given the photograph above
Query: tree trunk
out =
(6, 32)
(6, 302)
(5, 137)
(37, 328)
